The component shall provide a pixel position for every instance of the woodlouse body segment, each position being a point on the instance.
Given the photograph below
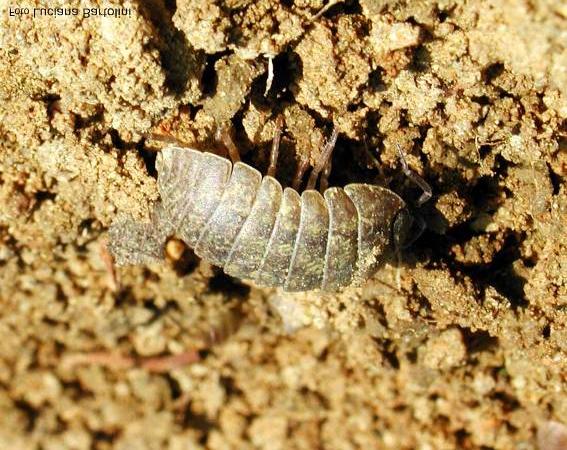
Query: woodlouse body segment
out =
(308, 257)
(249, 247)
(280, 247)
(200, 201)
(252, 228)
(223, 227)
(342, 243)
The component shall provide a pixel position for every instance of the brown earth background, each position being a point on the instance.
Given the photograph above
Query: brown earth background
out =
(463, 345)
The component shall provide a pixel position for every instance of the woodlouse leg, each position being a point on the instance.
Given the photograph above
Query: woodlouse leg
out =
(301, 168)
(381, 179)
(325, 155)
(276, 146)
(416, 179)
(224, 135)
(324, 182)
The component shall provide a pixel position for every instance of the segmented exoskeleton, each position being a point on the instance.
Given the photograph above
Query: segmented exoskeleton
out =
(254, 229)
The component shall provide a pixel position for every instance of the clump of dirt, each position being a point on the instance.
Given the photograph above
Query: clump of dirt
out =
(461, 345)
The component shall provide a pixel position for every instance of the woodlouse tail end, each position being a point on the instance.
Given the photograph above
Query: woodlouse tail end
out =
(132, 243)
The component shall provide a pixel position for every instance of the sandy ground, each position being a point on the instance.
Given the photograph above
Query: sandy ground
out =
(463, 345)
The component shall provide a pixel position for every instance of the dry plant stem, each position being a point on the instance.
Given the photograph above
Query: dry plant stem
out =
(325, 154)
(114, 360)
(109, 265)
(324, 9)
(162, 364)
(270, 78)
(416, 179)
(275, 147)
(117, 361)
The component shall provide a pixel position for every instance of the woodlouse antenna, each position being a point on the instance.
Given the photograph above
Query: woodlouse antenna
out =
(325, 154)
(275, 146)
(416, 179)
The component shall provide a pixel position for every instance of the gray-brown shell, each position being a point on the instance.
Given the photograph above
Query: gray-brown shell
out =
(248, 225)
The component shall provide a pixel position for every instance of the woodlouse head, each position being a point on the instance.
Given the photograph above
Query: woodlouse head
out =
(404, 232)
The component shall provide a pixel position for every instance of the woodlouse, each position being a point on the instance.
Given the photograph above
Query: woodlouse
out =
(254, 229)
